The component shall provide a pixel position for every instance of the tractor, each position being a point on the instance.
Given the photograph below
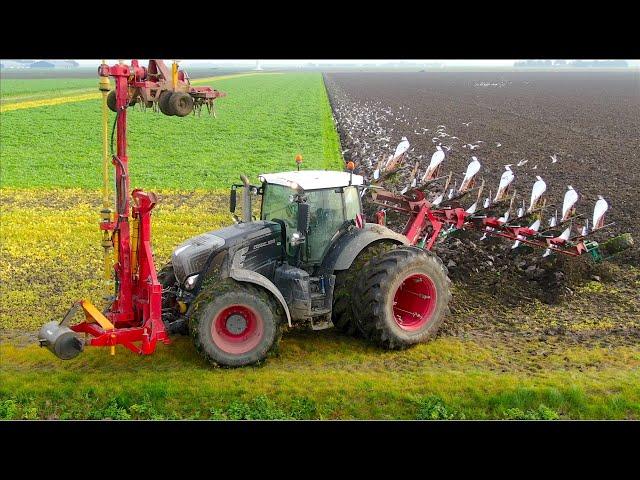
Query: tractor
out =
(310, 258)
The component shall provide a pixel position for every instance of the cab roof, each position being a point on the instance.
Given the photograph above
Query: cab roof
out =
(312, 179)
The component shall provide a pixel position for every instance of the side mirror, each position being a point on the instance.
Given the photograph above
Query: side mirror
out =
(232, 200)
(304, 213)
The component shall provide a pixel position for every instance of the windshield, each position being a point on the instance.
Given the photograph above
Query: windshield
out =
(327, 216)
(329, 209)
(277, 206)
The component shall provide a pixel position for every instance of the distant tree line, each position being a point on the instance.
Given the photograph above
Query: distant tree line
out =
(574, 63)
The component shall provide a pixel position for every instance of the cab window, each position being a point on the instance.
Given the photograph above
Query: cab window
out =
(351, 202)
(327, 216)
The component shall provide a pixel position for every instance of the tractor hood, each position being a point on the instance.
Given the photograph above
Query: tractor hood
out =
(190, 257)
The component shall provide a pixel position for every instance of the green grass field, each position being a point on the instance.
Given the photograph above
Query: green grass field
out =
(18, 89)
(260, 126)
(51, 256)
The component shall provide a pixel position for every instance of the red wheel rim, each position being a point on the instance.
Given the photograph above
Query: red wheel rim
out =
(414, 302)
(237, 329)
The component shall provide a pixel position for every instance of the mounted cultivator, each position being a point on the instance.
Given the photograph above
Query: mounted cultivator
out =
(444, 214)
(160, 88)
(309, 259)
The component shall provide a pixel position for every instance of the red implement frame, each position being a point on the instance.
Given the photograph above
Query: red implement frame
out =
(425, 223)
(134, 319)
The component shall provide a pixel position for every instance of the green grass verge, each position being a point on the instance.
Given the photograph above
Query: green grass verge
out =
(321, 375)
(262, 124)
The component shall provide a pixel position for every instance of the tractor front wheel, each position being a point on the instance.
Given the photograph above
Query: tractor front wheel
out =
(403, 297)
(235, 324)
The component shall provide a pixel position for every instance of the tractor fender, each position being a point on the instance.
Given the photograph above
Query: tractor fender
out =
(244, 275)
(346, 248)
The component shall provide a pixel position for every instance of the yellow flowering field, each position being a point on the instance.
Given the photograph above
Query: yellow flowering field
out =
(50, 246)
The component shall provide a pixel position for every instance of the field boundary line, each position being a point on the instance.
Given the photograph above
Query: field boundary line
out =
(235, 75)
(49, 102)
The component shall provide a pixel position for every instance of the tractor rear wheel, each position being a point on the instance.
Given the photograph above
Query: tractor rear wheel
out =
(235, 324)
(163, 102)
(342, 314)
(403, 297)
(181, 104)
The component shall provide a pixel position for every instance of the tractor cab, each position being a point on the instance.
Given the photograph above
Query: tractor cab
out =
(312, 208)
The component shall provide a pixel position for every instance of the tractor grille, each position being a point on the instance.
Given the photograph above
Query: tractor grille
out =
(190, 256)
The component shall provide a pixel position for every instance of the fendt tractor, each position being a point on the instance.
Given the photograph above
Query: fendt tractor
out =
(310, 258)
(300, 262)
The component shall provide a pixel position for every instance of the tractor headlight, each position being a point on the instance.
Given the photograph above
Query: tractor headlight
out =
(190, 282)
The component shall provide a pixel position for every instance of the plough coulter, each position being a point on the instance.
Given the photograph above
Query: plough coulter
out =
(310, 258)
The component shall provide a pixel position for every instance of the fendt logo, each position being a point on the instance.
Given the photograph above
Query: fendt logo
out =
(264, 244)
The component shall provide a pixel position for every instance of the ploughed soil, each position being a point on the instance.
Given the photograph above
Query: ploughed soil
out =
(588, 121)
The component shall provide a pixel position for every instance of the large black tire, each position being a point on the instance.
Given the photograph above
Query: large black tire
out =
(181, 104)
(234, 308)
(164, 103)
(391, 315)
(342, 313)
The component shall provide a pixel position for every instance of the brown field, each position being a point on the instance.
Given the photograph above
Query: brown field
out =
(589, 120)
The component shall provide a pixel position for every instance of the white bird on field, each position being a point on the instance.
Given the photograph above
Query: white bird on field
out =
(466, 124)
(498, 144)
(521, 163)
(554, 158)
(535, 167)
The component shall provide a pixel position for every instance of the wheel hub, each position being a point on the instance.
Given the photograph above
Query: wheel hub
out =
(236, 324)
(414, 302)
(237, 329)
